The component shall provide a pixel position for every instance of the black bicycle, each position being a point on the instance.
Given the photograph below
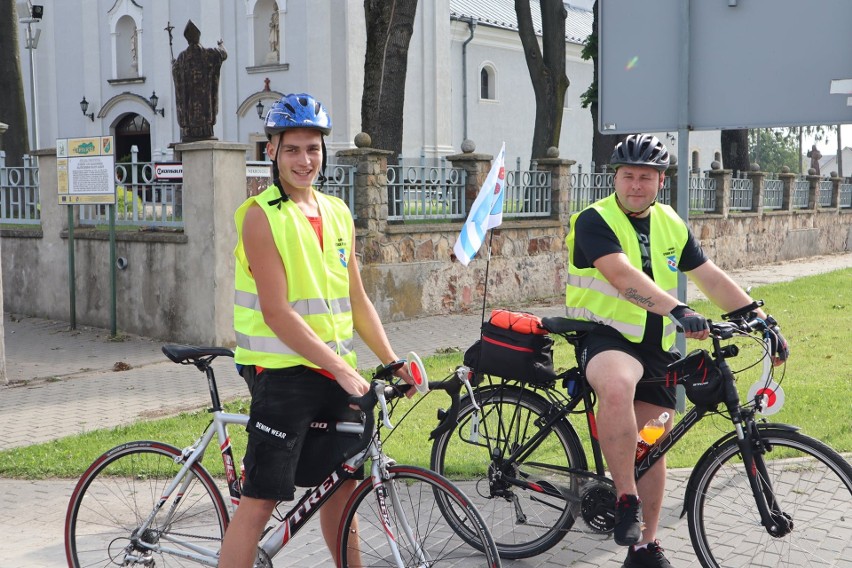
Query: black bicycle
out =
(762, 495)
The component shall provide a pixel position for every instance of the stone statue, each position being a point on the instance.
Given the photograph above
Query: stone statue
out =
(815, 156)
(273, 55)
(196, 76)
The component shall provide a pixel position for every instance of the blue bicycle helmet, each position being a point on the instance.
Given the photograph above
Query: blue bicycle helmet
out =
(640, 150)
(297, 111)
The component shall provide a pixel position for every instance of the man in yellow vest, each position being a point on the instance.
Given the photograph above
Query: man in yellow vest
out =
(624, 253)
(299, 296)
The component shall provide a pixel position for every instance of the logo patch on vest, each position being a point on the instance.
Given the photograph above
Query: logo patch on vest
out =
(671, 261)
(342, 254)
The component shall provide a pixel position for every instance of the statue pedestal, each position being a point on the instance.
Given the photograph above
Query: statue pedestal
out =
(272, 58)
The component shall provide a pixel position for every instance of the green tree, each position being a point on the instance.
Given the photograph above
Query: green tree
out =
(546, 65)
(13, 110)
(774, 148)
(389, 28)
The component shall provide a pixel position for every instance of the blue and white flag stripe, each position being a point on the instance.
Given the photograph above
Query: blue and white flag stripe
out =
(486, 212)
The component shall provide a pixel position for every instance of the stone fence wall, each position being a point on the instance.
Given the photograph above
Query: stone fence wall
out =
(179, 286)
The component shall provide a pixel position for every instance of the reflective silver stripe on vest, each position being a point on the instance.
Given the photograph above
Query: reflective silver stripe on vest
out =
(307, 307)
(278, 347)
(623, 328)
(592, 283)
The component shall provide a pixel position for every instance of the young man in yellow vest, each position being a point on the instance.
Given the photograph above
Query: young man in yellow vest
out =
(299, 296)
(624, 253)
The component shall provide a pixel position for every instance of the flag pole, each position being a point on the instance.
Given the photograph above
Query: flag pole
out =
(487, 265)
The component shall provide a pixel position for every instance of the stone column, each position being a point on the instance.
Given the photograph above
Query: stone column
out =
(371, 183)
(787, 181)
(476, 167)
(835, 191)
(214, 182)
(813, 190)
(560, 183)
(723, 190)
(3, 377)
(757, 178)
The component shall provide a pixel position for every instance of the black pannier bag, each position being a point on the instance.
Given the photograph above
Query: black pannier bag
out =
(511, 354)
(700, 377)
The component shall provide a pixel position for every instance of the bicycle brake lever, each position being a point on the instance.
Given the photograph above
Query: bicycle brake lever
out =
(463, 374)
(380, 394)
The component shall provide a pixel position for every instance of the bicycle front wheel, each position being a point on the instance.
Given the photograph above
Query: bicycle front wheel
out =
(810, 482)
(121, 490)
(523, 520)
(404, 509)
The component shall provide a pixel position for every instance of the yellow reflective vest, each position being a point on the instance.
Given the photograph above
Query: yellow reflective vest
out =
(317, 281)
(589, 296)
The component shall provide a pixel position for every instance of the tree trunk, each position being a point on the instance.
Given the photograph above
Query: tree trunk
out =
(602, 144)
(547, 70)
(735, 150)
(13, 110)
(389, 28)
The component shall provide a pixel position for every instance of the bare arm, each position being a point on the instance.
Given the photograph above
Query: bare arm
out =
(634, 284)
(271, 279)
(720, 288)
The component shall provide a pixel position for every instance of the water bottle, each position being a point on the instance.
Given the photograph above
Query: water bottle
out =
(650, 433)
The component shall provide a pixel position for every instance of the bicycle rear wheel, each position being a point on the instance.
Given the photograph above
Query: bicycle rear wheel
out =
(811, 483)
(524, 521)
(119, 492)
(405, 507)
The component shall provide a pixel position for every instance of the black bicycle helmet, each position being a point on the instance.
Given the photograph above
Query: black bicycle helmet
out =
(640, 150)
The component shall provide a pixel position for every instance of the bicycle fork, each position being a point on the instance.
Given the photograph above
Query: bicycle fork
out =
(383, 486)
(776, 522)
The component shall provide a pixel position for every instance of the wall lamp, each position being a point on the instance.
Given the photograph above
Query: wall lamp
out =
(259, 108)
(153, 103)
(84, 106)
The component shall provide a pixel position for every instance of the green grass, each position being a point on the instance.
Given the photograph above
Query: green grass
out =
(815, 314)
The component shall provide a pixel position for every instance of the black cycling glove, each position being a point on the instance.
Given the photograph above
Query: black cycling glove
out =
(688, 320)
(778, 346)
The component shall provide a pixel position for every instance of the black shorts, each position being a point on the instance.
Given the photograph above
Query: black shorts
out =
(651, 387)
(283, 451)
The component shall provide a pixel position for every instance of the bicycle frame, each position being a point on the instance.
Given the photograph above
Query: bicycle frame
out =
(748, 440)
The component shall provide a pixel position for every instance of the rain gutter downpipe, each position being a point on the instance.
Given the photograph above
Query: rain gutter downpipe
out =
(471, 23)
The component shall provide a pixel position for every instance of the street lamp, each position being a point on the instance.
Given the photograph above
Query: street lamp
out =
(259, 108)
(84, 106)
(152, 101)
(35, 15)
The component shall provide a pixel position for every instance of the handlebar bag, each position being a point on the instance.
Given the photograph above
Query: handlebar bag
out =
(700, 377)
(513, 346)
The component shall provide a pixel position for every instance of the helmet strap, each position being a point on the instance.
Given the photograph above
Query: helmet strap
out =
(321, 179)
(276, 179)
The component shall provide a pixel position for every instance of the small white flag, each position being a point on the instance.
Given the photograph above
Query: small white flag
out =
(486, 212)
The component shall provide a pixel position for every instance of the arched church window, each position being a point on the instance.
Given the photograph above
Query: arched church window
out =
(487, 83)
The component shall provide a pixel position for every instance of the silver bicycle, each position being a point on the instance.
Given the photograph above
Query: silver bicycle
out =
(151, 504)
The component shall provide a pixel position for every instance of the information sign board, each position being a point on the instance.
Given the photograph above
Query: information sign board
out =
(85, 170)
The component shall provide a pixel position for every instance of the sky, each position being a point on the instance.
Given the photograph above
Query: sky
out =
(828, 146)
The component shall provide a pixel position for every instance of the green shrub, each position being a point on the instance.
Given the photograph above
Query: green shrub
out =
(124, 203)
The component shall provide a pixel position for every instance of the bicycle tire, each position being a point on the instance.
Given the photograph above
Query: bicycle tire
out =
(411, 494)
(508, 418)
(811, 482)
(121, 489)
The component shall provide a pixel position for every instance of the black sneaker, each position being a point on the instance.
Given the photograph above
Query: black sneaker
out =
(628, 520)
(649, 557)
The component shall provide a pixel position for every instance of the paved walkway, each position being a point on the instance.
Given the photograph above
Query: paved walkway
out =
(63, 382)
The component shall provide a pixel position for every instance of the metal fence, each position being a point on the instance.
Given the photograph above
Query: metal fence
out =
(742, 190)
(702, 193)
(340, 182)
(141, 199)
(773, 193)
(528, 192)
(19, 202)
(824, 193)
(799, 198)
(845, 197)
(430, 190)
(586, 188)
